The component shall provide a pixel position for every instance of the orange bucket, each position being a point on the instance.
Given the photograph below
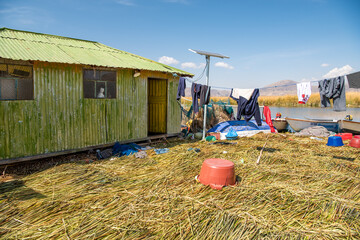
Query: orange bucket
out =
(217, 173)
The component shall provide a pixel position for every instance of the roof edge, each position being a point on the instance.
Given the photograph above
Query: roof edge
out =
(45, 34)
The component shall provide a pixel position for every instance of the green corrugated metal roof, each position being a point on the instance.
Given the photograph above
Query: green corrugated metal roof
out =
(22, 45)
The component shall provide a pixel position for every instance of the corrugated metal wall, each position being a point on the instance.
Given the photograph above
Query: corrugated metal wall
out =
(59, 118)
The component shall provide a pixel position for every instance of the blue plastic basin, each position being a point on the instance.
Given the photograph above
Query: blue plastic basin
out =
(335, 141)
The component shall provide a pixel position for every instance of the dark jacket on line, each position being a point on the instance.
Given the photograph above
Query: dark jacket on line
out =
(181, 88)
(333, 88)
(203, 91)
(195, 94)
(248, 108)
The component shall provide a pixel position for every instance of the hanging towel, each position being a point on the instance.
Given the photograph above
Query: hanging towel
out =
(333, 88)
(354, 80)
(204, 94)
(195, 94)
(303, 91)
(267, 114)
(181, 88)
(245, 93)
(248, 108)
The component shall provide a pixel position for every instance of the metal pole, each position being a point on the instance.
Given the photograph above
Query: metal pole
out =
(207, 93)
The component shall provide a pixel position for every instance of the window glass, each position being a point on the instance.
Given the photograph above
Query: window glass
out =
(3, 70)
(16, 82)
(25, 89)
(108, 76)
(89, 89)
(100, 89)
(99, 84)
(8, 89)
(20, 71)
(91, 75)
(111, 89)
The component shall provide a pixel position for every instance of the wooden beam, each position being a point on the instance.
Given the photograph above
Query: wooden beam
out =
(65, 152)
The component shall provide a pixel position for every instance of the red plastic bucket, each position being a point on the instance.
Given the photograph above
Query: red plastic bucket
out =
(217, 173)
(345, 136)
(355, 142)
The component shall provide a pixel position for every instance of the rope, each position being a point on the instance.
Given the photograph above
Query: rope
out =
(286, 85)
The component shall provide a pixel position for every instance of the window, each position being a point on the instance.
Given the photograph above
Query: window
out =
(16, 82)
(99, 84)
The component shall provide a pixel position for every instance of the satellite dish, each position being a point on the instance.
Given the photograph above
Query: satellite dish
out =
(208, 53)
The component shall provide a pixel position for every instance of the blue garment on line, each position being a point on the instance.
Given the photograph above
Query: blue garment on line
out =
(204, 95)
(195, 94)
(248, 108)
(181, 88)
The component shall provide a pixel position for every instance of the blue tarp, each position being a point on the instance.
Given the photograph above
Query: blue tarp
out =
(241, 125)
(125, 149)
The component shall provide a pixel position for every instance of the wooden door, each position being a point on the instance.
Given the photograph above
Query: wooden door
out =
(157, 106)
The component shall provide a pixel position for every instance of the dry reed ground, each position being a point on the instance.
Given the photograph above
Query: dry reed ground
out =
(302, 189)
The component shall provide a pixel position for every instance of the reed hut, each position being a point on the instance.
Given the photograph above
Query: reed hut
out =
(60, 95)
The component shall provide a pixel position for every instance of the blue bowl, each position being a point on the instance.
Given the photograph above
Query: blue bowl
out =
(335, 141)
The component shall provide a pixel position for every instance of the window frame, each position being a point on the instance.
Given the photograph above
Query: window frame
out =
(100, 81)
(16, 79)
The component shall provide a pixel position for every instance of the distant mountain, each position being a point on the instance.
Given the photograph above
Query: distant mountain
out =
(280, 88)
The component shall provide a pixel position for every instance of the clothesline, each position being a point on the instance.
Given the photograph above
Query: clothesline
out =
(224, 105)
(286, 85)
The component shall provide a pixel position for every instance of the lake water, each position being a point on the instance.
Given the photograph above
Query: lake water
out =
(312, 112)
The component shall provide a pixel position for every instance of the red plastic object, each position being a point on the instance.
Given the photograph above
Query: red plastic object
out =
(355, 142)
(356, 136)
(345, 136)
(267, 114)
(217, 173)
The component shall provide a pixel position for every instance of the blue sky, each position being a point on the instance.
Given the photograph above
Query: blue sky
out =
(267, 40)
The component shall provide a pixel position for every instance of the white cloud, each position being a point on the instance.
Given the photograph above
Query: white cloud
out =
(24, 16)
(126, 2)
(168, 60)
(192, 65)
(325, 65)
(338, 71)
(223, 65)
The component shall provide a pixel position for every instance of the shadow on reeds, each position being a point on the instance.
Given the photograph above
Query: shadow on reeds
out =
(17, 190)
(238, 179)
(344, 158)
(268, 149)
